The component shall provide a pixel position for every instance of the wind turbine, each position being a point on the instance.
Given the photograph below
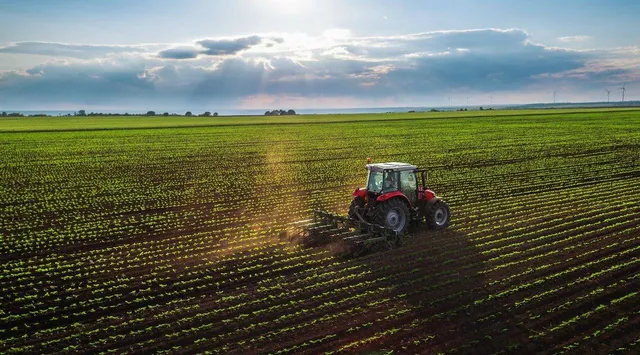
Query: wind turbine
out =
(491, 99)
(623, 90)
(449, 100)
(608, 92)
(554, 96)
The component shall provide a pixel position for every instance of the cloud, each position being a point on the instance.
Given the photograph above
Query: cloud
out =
(70, 50)
(82, 83)
(302, 69)
(228, 46)
(218, 47)
(179, 53)
(213, 47)
(573, 38)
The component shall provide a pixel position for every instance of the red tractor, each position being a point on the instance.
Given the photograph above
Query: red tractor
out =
(381, 213)
(394, 199)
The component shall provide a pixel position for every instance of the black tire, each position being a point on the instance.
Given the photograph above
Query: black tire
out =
(438, 215)
(393, 214)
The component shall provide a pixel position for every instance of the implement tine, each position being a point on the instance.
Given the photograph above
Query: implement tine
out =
(359, 235)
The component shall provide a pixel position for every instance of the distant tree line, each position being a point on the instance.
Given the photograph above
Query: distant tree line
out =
(12, 114)
(83, 113)
(279, 113)
(187, 114)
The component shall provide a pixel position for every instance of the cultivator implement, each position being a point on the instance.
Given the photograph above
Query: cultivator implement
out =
(354, 236)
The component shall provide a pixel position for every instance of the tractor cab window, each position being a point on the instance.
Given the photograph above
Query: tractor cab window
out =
(375, 181)
(409, 185)
(390, 182)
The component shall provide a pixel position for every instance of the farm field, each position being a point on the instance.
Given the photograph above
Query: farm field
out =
(13, 124)
(174, 240)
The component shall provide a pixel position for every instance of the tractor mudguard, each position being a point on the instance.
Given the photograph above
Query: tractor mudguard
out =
(433, 201)
(426, 194)
(361, 192)
(393, 194)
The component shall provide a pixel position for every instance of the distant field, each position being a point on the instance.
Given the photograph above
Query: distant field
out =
(174, 240)
(107, 122)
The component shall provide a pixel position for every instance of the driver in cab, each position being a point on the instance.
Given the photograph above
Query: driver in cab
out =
(390, 182)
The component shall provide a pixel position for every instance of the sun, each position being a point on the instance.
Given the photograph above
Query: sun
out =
(287, 6)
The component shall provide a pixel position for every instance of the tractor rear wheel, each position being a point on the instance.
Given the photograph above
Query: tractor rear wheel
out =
(438, 216)
(393, 214)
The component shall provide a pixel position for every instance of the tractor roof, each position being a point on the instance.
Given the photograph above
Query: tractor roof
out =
(391, 166)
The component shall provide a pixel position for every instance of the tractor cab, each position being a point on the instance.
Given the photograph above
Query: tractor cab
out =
(393, 177)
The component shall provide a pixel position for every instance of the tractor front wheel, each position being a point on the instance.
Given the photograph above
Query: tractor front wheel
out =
(393, 214)
(438, 216)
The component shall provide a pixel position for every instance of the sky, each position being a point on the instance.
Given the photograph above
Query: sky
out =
(269, 54)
